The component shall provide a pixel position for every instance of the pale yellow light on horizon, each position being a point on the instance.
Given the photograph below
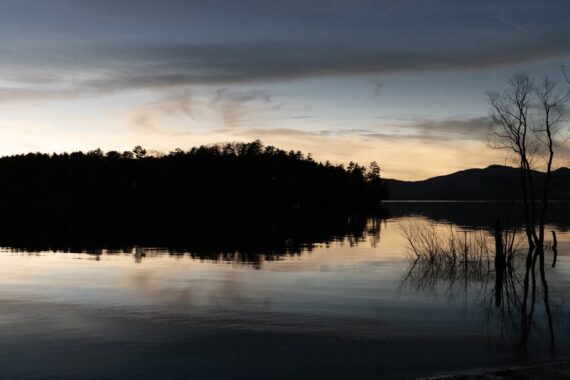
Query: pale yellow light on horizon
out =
(50, 127)
(405, 159)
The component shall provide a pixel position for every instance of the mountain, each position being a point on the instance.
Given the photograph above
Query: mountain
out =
(495, 182)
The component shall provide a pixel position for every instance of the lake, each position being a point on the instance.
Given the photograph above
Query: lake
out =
(344, 306)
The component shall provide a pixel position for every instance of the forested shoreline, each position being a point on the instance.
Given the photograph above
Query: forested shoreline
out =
(217, 197)
(245, 178)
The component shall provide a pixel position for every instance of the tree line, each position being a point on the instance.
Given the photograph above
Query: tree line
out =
(239, 179)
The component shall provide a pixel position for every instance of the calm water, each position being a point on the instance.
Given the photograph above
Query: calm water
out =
(341, 309)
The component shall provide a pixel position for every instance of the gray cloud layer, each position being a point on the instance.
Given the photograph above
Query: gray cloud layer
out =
(156, 66)
(104, 46)
(436, 131)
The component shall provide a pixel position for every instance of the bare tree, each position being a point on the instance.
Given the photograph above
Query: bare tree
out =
(527, 122)
(511, 131)
(548, 129)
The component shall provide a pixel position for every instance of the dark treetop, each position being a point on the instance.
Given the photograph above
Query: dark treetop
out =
(245, 177)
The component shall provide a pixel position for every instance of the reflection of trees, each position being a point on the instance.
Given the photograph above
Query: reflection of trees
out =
(470, 262)
(373, 228)
(249, 241)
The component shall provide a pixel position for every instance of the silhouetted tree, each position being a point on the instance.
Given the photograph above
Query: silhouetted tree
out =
(139, 152)
(95, 153)
(527, 122)
(113, 154)
(127, 154)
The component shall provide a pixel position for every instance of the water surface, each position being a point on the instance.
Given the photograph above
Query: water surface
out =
(343, 307)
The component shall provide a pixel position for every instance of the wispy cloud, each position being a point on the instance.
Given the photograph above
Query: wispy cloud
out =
(148, 115)
(166, 66)
(422, 130)
(121, 68)
(235, 105)
(225, 107)
(444, 130)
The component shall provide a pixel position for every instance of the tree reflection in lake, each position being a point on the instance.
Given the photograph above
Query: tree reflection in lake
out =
(468, 262)
(243, 239)
(442, 255)
(233, 287)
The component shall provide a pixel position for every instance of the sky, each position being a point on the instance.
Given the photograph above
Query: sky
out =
(400, 82)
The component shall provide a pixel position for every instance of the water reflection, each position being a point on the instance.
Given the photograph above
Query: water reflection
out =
(226, 238)
(347, 300)
(240, 238)
(478, 214)
(464, 262)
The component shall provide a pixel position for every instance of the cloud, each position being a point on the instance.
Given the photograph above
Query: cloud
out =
(147, 116)
(235, 105)
(223, 106)
(281, 132)
(476, 128)
(423, 130)
(16, 94)
(378, 87)
(431, 131)
(147, 44)
(212, 64)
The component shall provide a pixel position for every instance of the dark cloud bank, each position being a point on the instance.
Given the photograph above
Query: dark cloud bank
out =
(105, 46)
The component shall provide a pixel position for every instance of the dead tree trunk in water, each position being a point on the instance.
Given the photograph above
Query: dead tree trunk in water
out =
(554, 249)
(499, 263)
(546, 298)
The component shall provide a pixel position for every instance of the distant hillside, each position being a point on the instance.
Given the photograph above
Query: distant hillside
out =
(495, 182)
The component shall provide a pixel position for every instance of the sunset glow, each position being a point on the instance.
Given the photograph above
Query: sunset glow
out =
(345, 81)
